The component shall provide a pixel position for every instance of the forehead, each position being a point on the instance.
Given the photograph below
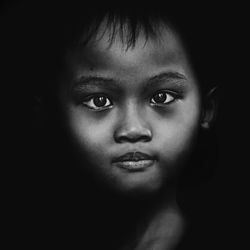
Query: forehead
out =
(148, 53)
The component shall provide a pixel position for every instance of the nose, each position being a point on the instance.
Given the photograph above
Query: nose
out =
(132, 128)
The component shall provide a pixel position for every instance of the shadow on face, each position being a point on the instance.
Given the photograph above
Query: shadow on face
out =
(132, 112)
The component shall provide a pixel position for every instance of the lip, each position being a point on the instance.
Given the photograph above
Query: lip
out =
(133, 156)
(134, 161)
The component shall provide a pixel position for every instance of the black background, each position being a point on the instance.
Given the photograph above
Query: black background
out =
(229, 189)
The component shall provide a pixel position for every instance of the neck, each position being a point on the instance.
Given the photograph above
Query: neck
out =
(140, 223)
(153, 223)
(160, 228)
(163, 230)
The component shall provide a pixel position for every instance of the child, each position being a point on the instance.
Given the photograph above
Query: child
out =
(130, 108)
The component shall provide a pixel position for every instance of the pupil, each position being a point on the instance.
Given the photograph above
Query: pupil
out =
(100, 101)
(161, 97)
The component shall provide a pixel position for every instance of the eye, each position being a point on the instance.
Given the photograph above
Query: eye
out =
(163, 98)
(98, 102)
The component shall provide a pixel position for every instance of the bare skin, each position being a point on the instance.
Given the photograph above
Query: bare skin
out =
(163, 230)
(145, 98)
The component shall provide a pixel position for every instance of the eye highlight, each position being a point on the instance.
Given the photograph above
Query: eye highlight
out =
(98, 102)
(163, 98)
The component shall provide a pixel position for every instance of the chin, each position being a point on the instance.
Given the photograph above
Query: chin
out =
(138, 186)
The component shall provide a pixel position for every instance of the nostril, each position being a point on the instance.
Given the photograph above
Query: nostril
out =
(145, 138)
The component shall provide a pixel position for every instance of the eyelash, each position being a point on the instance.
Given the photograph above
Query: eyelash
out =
(168, 94)
(92, 101)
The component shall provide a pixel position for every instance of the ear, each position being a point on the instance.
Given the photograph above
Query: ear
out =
(210, 108)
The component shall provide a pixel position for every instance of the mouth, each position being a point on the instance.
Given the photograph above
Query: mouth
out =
(134, 161)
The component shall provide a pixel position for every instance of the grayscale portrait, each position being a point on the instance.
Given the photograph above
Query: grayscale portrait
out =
(120, 141)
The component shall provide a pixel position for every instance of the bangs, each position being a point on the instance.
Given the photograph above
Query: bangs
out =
(116, 23)
(58, 29)
(127, 30)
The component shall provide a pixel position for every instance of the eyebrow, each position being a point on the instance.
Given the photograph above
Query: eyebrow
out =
(87, 81)
(171, 75)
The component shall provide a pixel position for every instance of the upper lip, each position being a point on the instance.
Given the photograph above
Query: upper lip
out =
(133, 156)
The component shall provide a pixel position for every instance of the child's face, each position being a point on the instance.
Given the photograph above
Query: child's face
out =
(145, 99)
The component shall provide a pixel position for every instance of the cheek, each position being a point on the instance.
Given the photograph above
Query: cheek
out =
(90, 135)
(176, 139)
(176, 135)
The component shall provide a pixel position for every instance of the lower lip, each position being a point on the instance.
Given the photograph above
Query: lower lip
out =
(134, 165)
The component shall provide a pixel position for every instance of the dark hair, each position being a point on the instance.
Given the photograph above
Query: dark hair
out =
(76, 26)
(198, 30)
(54, 29)
(46, 31)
